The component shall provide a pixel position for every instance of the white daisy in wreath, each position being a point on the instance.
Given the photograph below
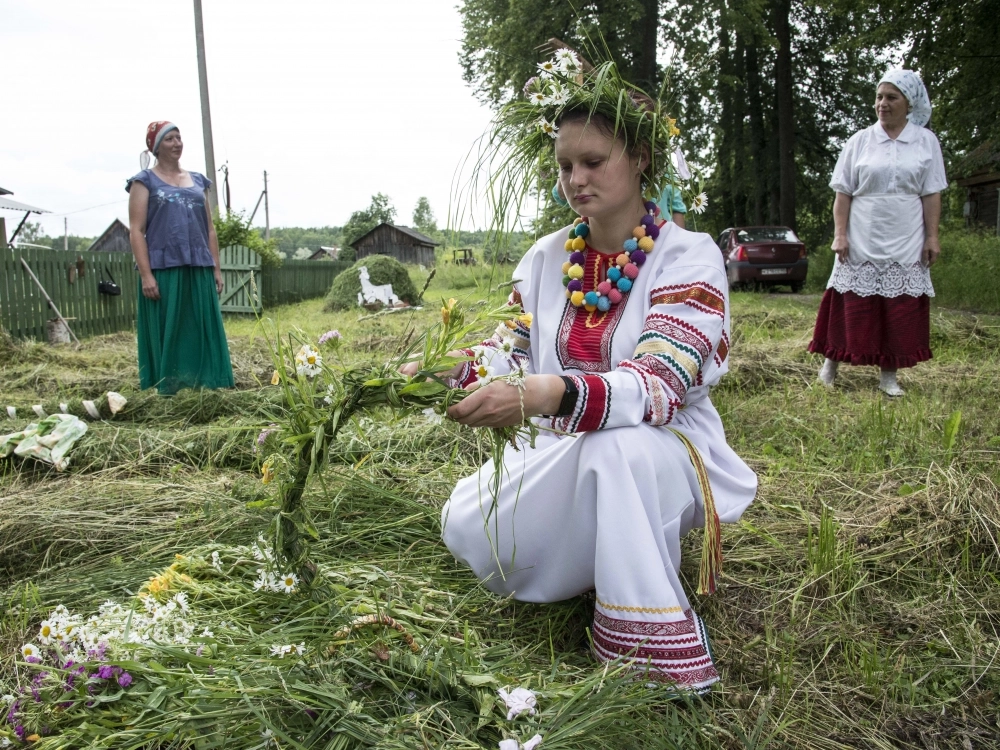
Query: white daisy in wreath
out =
(538, 97)
(287, 583)
(484, 372)
(699, 203)
(547, 127)
(549, 67)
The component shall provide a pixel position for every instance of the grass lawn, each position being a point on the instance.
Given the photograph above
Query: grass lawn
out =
(859, 605)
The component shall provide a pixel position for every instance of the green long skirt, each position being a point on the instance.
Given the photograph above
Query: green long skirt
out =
(182, 342)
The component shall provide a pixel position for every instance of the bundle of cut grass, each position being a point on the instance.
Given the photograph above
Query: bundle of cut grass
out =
(381, 270)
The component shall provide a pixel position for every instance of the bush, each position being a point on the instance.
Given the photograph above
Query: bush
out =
(348, 254)
(382, 270)
(235, 229)
(966, 274)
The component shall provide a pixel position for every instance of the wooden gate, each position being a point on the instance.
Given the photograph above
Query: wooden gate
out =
(241, 278)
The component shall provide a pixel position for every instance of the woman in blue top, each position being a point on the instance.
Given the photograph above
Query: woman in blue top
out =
(182, 342)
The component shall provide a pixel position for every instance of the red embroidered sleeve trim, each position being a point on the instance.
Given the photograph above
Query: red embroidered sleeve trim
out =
(701, 296)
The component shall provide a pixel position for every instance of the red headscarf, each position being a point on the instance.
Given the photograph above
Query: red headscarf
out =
(156, 132)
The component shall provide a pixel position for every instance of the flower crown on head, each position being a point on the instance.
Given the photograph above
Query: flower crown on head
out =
(566, 83)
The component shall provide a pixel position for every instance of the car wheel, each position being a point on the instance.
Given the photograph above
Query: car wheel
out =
(797, 286)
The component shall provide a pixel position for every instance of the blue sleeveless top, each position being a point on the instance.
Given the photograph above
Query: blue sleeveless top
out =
(176, 223)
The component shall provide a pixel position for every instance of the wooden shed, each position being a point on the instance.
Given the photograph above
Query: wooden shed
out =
(325, 253)
(115, 239)
(979, 174)
(402, 243)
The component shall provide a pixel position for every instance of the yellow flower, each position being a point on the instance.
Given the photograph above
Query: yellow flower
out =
(275, 378)
(671, 123)
(527, 319)
(33, 738)
(268, 473)
(447, 310)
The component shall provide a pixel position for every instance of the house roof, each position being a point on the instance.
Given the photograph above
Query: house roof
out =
(421, 239)
(113, 226)
(12, 205)
(983, 158)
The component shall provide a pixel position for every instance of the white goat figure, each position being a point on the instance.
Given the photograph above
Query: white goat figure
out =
(372, 294)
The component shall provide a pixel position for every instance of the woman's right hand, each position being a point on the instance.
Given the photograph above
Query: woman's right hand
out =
(841, 247)
(150, 289)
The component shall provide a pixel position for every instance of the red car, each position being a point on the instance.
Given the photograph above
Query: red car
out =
(764, 256)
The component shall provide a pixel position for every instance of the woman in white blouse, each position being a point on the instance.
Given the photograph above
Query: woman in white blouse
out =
(888, 179)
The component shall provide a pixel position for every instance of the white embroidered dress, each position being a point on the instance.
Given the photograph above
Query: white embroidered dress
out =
(886, 179)
(606, 508)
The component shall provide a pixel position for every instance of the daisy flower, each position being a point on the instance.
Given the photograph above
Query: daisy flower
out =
(547, 127)
(507, 346)
(216, 561)
(206, 633)
(288, 582)
(432, 416)
(308, 362)
(559, 96)
(539, 98)
(29, 651)
(700, 203)
(484, 373)
(328, 398)
(548, 67)
(45, 632)
(301, 648)
(567, 61)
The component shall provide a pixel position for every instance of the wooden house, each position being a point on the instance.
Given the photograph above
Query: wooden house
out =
(115, 239)
(979, 174)
(402, 243)
(325, 253)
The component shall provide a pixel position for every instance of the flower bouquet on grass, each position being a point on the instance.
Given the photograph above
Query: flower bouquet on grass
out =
(320, 397)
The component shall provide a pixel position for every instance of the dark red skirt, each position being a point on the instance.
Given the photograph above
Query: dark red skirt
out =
(890, 332)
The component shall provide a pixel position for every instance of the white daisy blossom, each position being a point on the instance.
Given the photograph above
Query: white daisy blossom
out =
(206, 633)
(518, 701)
(548, 67)
(559, 96)
(281, 651)
(116, 401)
(216, 561)
(547, 127)
(432, 416)
(535, 97)
(288, 582)
(328, 398)
(29, 650)
(181, 600)
(484, 373)
(533, 742)
(301, 648)
(507, 346)
(308, 362)
(700, 203)
(567, 61)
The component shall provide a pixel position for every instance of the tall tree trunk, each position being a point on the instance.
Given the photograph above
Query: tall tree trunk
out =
(740, 158)
(758, 144)
(786, 115)
(645, 59)
(726, 125)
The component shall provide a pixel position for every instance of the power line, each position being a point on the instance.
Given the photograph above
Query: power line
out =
(89, 208)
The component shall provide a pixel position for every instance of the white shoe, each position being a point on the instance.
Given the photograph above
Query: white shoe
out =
(828, 373)
(888, 385)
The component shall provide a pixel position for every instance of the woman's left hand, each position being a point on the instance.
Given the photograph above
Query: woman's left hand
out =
(932, 249)
(500, 404)
(219, 283)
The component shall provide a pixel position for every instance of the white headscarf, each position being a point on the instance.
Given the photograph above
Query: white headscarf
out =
(915, 92)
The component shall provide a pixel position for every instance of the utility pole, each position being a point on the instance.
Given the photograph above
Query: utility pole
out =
(206, 112)
(65, 233)
(267, 212)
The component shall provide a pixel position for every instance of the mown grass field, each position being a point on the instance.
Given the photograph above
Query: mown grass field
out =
(859, 605)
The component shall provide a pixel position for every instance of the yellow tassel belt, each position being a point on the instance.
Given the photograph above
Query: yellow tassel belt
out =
(711, 550)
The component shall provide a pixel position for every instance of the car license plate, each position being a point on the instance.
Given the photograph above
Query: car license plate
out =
(772, 271)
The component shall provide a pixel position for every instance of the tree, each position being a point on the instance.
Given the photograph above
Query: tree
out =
(235, 229)
(423, 216)
(361, 222)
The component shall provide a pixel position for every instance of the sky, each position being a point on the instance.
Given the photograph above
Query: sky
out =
(336, 99)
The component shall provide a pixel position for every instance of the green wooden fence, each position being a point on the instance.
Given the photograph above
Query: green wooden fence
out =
(70, 279)
(296, 280)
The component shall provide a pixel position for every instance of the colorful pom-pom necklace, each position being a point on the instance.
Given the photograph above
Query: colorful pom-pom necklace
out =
(620, 276)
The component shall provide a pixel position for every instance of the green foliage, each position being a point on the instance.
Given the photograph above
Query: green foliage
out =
(361, 222)
(290, 239)
(423, 216)
(235, 229)
(381, 270)
(965, 275)
(347, 254)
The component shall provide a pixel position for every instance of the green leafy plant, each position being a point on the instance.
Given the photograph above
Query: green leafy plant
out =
(235, 229)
